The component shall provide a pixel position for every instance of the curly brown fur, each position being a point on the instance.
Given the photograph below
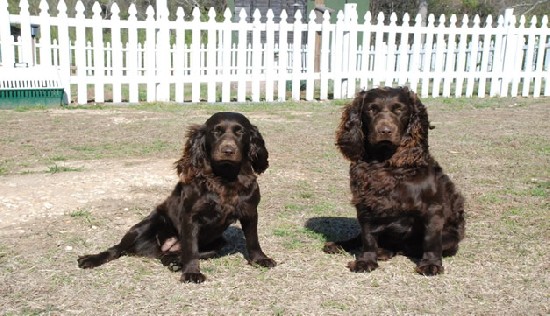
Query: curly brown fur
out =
(217, 187)
(404, 201)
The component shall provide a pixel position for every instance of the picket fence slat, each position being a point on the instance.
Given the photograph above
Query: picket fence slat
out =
(196, 58)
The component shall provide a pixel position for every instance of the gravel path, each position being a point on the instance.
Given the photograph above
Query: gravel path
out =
(24, 198)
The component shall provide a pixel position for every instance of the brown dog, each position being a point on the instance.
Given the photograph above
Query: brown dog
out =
(404, 201)
(217, 187)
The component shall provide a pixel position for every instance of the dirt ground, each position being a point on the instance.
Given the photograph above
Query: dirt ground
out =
(73, 181)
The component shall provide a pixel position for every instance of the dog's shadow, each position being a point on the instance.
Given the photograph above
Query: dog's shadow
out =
(331, 228)
(235, 243)
(334, 229)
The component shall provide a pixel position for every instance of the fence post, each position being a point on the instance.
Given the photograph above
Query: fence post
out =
(80, 56)
(6, 40)
(117, 55)
(472, 62)
(496, 61)
(45, 35)
(350, 13)
(541, 48)
(150, 55)
(336, 54)
(439, 57)
(485, 56)
(379, 52)
(179, 58)
(26, 44)
(365, 69)
(415, 62)
(99, 53)
(226, 46)
(426, 57)
(132, 56)
(529, 55)
(64, 49)
(211, 56)
(545, 43)
(325, 56)
(283, 57)
(256, 56)
(162, 52)
(296, 55)
(510, 42)
(269, 56)
(241, 57)
(310, 61)
(403, 49)
(449, 64)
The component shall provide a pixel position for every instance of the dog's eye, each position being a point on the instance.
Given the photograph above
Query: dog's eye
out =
(238, 130)
(396, 108)
(218, 131)
(373, 108)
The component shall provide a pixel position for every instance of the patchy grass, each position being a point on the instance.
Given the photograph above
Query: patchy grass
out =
(56, 169)
(496, 150)
(85, 215)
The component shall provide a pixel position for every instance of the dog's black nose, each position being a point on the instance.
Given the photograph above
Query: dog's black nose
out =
(384, 130)
(228, 150)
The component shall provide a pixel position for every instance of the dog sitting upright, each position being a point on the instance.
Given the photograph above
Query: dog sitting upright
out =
(217, 187)
(405, 202)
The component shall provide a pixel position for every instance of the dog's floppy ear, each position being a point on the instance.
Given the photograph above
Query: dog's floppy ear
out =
(413, 150)
(419, 124)
(194, 156)
(257, 153)
(350, 138)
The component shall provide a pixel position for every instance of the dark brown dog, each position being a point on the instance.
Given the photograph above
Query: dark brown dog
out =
(404, 201)
(217, 186)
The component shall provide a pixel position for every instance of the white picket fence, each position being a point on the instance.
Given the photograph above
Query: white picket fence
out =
(235, 60)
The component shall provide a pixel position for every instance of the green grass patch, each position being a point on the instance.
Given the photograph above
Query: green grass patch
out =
(58, 169)
(294, 208)
(323, 208)
(82, 214)
(296, 237)
(455, 104)
(490, 198)
(335, 304)
(58, 158)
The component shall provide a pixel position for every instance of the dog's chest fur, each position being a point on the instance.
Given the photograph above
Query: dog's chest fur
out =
(225, 202)
(389, 191)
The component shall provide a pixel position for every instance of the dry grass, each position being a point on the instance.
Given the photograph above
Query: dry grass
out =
(496, 150)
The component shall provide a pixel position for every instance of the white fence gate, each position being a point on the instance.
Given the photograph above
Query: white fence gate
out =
(187, 59)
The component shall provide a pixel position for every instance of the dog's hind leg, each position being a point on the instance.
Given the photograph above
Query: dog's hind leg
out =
(343, 245)
(139, 240)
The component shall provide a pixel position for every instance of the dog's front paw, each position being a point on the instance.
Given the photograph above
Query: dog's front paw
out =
(362, 266)
(429, 269)
(194, 277)
(332, 248)
(87, 262)
(264, 262)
